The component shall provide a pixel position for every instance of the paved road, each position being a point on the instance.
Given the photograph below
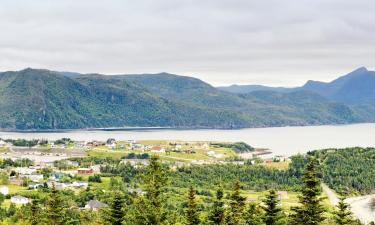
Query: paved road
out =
(359, 205)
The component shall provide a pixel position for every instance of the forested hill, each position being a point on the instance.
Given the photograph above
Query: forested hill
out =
(43, 99)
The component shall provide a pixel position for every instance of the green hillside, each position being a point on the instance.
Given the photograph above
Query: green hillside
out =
(43, 99)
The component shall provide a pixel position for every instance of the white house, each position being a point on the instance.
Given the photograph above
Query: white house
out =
(19, 200)
(35, 177)
(25, 170)
(80, 184)
(95, 205)
(4, 190)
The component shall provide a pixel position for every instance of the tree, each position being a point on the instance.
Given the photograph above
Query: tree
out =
(35, 212)
(253, 214)
(311, 210)
(150, 209)
(55, 207)
(217, 216)
(343, 215)
(116, 211)
(272, 212)
(237, 204)
(192, 215)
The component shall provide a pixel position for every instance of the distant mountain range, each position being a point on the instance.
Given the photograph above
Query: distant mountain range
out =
(43, 99)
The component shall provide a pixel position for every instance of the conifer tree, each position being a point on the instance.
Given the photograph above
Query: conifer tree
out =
(343, 215)
(192, 215)
(55, 208)
(217, 216)
(236, 207)
(311, 210)
(272, 212)
(115, 213)
(150, 209)
(35, 212)
(253, 214)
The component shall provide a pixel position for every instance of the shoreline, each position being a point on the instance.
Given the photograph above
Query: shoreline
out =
(166, 128)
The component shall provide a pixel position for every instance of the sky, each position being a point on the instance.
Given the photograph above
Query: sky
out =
(272, 42)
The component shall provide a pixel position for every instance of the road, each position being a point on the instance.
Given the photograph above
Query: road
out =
(359, 205)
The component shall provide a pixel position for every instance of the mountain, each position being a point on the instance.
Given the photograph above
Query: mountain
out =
(43, 99)
(243, 89)
(355, 88)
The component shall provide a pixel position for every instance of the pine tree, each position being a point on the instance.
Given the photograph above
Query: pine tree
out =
(192, 215)
(343, 215)
(253, 214)
(311, 210)
(237, 205)
(217, 216)
(55, 208)
(115, 213)
(272, 212)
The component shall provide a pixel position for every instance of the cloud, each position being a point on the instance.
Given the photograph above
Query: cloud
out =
(223, 41)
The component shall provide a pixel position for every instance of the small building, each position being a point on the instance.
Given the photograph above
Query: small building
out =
(25, 170)
(80, 184)
(4, 190)
(157, 149)
(18, 199)
(35, 177)
(85, 171)
(95, 205)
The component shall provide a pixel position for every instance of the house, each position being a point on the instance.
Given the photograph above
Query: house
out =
(95, 205)
(85, 171)
(80, 184)
(4, 190)
(282, 195)
(25, 170)
(215, 155)
(35, 177)
(35, 185)
(19, 200)
(157, 149)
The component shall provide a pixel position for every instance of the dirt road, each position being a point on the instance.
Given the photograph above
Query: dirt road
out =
(359, 205)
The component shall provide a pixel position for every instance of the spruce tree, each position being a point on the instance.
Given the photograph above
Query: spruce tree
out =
(253, 214)
(272, 211)
(236, 207)
(311, 210)
(217, 216)
(150, 209)
(55, 208)
(115, 213)
(343, 215)
(192, 215)
(35, 212)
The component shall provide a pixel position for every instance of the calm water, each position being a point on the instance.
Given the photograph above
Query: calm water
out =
(281, 140)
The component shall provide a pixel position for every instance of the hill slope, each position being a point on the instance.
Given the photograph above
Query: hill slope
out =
(42, 99)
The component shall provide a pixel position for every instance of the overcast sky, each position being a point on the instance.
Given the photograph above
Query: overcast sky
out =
(270, 42)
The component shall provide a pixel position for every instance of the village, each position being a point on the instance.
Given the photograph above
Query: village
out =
(29, 165)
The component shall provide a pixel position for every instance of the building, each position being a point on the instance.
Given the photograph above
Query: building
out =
(95, 205)
(19, 200)
(35, 177)
(25, 170)
(80, 184)
(4, 190)
(157, 149)
(85, 171)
